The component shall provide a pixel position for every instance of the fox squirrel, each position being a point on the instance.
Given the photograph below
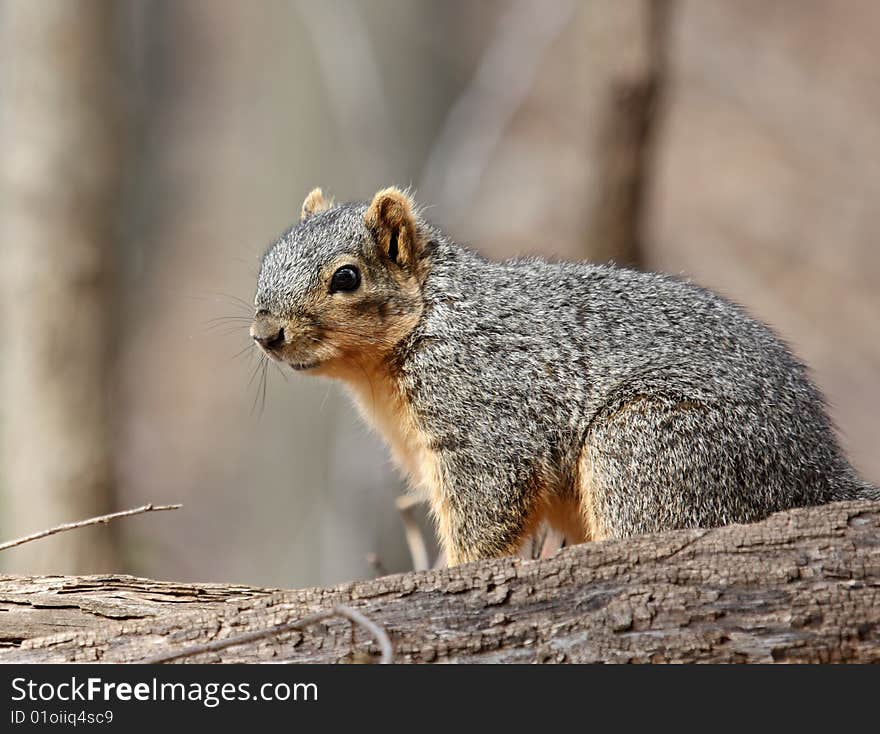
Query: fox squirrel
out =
(605, 401)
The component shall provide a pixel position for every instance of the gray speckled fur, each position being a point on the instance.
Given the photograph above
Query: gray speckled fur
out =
(690, 412)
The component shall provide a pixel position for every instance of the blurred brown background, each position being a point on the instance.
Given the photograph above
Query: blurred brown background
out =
(152, 149)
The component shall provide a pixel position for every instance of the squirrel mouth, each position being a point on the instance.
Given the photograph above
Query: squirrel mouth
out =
(299, 366)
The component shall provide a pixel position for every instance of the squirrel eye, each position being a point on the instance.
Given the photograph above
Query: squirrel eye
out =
(347, 278)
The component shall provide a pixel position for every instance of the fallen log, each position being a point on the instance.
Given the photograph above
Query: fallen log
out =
(802, 586)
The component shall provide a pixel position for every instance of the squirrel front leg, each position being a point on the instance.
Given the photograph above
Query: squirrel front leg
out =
(478, 514)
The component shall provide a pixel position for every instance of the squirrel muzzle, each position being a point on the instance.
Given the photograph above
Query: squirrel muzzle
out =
(268, 331)
(284, 342)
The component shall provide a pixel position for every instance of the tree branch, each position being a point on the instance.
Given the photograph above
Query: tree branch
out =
(340, 610)
(801, 586)
(100, 520)
(418, 550)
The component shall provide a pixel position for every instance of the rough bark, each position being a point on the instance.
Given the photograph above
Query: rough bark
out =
(61, 176)
(802, 586)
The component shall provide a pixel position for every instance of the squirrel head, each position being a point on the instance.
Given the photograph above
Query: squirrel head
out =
(339, 290)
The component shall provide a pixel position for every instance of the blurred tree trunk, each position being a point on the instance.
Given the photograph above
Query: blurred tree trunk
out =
(623, 64)
(561, 162)
(61, 175)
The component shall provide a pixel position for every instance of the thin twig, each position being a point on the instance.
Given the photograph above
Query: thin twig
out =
(376, 564)
(553, 541)
(339, 610)
(84, 523)
(354, 616)
(414, 539)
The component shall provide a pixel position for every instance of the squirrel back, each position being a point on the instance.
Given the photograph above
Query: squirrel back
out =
(606, 401)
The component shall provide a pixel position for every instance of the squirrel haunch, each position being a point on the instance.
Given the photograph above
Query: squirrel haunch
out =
(605, 401)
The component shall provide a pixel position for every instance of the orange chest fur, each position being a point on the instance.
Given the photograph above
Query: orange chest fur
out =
(384, 407)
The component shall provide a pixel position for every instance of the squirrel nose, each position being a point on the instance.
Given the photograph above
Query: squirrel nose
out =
(271, 341)
(267, 332)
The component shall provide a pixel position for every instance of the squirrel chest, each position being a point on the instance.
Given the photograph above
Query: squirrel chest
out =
(383, 406)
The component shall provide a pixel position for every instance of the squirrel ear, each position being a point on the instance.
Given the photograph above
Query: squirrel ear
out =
(314, 203)
(390, 217)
